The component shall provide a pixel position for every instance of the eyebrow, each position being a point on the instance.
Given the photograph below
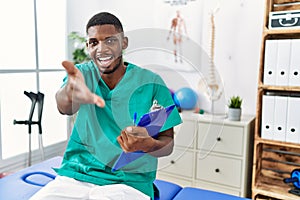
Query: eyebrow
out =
(109, 37)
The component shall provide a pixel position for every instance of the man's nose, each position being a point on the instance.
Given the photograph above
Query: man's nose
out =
(101, 46)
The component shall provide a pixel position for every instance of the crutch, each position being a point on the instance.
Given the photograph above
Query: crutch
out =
(35, 98)
(40, 101)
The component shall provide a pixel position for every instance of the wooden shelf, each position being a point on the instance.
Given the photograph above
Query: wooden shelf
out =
(273, 160)
(279, 88)
(259, 140)
(274, 163)
(273, 188)
(281, 31)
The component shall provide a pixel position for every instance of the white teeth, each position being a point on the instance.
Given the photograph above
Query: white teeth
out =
(104, 58)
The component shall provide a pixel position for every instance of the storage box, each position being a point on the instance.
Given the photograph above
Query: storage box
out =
(284, 19)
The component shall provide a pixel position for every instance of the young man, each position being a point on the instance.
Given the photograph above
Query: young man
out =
(106, 93)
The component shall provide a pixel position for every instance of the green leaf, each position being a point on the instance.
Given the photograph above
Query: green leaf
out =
(235, 102)
(79, 54)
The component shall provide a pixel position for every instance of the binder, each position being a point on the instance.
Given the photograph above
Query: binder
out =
(152, 121)
(280, 113)
(294, 72)
(283, 62)
(293, 120)
(267, 122)
(270, 65)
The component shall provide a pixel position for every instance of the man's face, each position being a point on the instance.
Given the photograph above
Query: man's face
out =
(105, 44)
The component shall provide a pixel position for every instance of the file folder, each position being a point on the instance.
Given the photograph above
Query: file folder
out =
(267, 122)
(293, 120)
(152, 121)
(294, 72)
(270, 62)
(280, 119)
(283, 62)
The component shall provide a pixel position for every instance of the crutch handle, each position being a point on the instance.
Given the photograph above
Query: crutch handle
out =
(26, 122)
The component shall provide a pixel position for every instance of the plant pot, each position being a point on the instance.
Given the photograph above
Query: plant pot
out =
(234, 114)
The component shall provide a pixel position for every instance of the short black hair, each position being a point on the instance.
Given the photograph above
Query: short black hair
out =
(103, 18)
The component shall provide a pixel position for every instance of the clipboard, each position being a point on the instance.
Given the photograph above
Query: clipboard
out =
(152, 121)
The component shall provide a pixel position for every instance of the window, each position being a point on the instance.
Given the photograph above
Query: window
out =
(33, 39)
(17, 34)
(51, 23)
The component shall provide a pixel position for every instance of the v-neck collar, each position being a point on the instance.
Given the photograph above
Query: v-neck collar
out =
(106, 91)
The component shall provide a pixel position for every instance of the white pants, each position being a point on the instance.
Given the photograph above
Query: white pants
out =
(63, 188)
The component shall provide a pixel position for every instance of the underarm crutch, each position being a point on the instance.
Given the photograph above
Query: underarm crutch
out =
(35, 98)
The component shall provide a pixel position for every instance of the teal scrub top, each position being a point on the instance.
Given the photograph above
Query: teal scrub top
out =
(93, 148)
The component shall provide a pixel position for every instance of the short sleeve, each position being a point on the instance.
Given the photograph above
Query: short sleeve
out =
(164, 98)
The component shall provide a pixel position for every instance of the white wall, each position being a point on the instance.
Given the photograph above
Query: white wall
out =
(238, 34)
(133, 14)
(238, 40)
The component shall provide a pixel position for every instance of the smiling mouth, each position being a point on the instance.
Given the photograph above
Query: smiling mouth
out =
(105, 60)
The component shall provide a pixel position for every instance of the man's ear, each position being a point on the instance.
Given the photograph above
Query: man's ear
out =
(125, 43)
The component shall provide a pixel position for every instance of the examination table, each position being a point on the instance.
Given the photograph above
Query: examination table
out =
(24, 183)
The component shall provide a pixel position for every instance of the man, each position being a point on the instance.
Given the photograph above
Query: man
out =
(106, 93)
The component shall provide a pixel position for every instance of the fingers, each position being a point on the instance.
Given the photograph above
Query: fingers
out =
(132, 130)
(98, 101)
(127, 142)
(134, 138)
(85, 96)
(129, 130)
(123, 141)
(131, 143)
(80, 92)
(70, 67)
(137, 131)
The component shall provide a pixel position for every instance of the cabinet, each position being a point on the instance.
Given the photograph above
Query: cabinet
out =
(211, 153)
(273, 158)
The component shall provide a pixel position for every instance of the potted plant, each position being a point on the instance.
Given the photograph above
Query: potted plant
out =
(234, 108)
(79, 53)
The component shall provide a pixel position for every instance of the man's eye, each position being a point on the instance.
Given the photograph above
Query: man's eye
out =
(93, 43)
(110, 41)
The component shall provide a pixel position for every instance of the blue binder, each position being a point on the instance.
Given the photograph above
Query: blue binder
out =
(152, 121)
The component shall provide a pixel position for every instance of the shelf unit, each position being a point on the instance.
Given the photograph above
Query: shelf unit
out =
(211, 153)
(273, 160)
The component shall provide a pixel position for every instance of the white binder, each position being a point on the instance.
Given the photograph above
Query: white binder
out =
(293, 120)
(294, 72)
(280, 114)
(270, 62)
(283, 62)
(267, 121)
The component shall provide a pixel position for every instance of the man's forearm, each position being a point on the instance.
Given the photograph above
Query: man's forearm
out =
(163, 145)
(65, 105)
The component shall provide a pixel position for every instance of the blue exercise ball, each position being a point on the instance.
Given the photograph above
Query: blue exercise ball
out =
(185, 98)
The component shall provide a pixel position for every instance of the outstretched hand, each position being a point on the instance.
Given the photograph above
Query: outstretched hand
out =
(76, 88)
